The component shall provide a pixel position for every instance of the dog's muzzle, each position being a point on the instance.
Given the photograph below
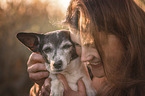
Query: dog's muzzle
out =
(58, 64)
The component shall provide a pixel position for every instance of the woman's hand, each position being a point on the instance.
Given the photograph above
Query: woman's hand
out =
(45, 89)
(68, 91)
(36, 68)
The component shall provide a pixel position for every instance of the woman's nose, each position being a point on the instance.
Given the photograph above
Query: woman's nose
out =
(85, 54)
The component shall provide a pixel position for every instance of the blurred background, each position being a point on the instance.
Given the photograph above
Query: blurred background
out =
(25, 15)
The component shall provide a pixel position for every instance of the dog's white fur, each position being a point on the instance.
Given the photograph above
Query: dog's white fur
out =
(73, 73)
(72, 70)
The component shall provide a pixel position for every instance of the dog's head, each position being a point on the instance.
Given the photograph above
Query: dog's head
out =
(56, 48)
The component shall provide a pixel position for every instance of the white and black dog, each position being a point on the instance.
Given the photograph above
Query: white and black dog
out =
(60, 55)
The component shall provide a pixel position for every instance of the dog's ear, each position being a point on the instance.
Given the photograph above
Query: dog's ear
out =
(31, 40)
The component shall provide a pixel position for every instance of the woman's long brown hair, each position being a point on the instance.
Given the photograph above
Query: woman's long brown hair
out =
(125, 20)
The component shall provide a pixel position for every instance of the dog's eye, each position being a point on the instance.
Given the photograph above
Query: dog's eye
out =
(66, 46)
(48, 49)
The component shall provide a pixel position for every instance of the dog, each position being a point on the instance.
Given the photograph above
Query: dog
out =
(60, 55)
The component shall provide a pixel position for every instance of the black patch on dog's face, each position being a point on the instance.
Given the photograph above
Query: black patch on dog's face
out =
(56, 38)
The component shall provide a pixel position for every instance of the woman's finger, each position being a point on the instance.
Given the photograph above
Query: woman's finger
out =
(81, 88)
(35, 58)
(68, 91)
(36, 68)
(38, 76)
(47, 84)
(45, 89)
(42, 92)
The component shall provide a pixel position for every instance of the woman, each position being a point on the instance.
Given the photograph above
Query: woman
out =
(109, 37)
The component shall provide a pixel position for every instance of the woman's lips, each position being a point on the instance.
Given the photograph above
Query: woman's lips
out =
(96, 64)
(91, 65)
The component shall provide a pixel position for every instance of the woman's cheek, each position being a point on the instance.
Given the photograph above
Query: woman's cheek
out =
(78, 50)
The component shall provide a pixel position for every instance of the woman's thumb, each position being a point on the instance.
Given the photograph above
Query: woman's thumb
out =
(81, 88)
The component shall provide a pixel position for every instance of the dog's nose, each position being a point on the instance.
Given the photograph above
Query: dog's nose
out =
(58, 64)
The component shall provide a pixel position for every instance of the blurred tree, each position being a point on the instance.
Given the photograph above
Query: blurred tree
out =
(18, 16)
